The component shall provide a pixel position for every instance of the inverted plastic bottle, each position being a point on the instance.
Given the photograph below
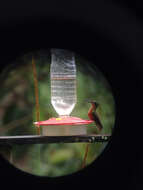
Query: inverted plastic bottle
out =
(63, 81)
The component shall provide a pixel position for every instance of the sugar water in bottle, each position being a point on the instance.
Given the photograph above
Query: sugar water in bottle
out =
(63, 81)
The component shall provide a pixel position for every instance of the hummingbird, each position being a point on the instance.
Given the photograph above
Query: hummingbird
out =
(92, 114)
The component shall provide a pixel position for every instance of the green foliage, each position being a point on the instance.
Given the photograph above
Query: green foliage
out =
(18, 101)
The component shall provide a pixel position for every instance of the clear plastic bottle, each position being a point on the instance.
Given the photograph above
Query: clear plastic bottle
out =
(63, 81)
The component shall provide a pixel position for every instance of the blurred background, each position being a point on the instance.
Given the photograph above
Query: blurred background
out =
(17, 114)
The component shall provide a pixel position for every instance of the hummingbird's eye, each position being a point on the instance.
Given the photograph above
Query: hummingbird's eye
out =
(56, 108)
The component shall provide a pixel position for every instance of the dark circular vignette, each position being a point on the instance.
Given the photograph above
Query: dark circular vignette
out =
(88, 43)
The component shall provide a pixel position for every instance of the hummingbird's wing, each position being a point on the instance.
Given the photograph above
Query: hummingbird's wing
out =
(97, 121)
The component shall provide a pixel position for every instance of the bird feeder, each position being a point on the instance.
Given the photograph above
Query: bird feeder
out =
(63, 97)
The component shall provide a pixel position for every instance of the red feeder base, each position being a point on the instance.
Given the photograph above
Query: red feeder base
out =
(63, 121)
(63, 126)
